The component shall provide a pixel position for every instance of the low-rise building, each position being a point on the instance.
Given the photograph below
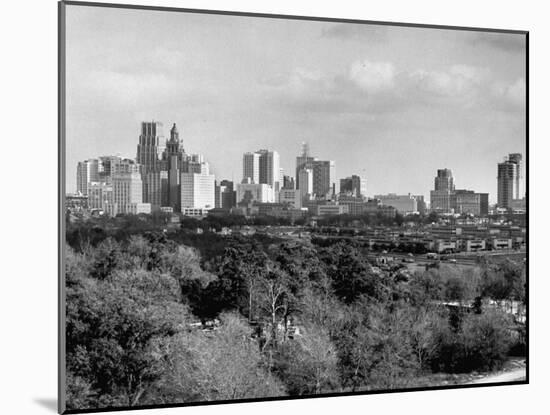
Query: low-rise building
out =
(404, 204)
(445, 246)
(194, 212)
(137, 208)
(331, 209)
(500, 243)
(473, 245)
(255, 192)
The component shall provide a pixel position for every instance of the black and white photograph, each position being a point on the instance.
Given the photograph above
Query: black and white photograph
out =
(261, 207)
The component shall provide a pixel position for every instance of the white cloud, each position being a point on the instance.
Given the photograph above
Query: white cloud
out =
(372, 76)
(516, 93)
(380, 87)
(456, 81)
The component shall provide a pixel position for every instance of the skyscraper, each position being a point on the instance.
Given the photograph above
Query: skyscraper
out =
(508, 180)
(303, 161)
(100, 195)
(197, 185)
(86, 172)
(174, 145)
(149, 156)
(155, 186)
(323, 174)
(440, 197)
(128, 189)
(251, 168)
(197, 191)
(288, 182)
(269, 168)
(306, 178)
(149, 149)
(353, 186)
(107, 166)
(444, 180)
(225, 195)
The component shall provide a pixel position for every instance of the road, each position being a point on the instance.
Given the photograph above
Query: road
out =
(511, 376)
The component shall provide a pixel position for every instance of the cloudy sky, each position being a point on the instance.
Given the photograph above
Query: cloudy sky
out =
(391, 104)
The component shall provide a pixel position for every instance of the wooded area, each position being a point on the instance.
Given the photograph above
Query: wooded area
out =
(151, 320)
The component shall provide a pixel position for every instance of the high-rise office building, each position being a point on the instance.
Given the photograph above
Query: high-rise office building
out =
(197, 190)
(441, 196)
(323, 174)
(174, 146)
(290, 197)
(466, 201)
(483, 204)
(446, 199)
(288, 183)
(303, 161)
(150, 146)
(100, 195)
(150, 154)
(229, 197)
(225, 195)
(508, 180)
(269, 166)
(305, 176)
(262, 166)
(444, 180)
(128, 189)
(440, 201)
(107, 166)
(155, 186)
(353, 186)
(251, 168)
(86, 172)
(420, 204)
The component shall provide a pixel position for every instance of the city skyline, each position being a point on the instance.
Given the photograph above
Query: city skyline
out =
(336, 180)
(357, 93)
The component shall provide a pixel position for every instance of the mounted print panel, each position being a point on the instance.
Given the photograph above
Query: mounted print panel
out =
(258, 207)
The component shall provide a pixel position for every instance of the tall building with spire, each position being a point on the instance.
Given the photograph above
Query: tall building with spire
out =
(303, 161)
(323, 172)
(173, 158)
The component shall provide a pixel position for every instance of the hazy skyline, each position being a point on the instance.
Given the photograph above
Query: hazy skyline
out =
(391, 104)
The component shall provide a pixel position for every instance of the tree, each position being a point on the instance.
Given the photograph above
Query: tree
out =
(106, 258)
(238, 271)
(504, 281)
(221, 365)
(111, 324)
(486, 339)
(375, 348)
(426, 326)
(351, 274)
(308, 364)
(275, 300)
